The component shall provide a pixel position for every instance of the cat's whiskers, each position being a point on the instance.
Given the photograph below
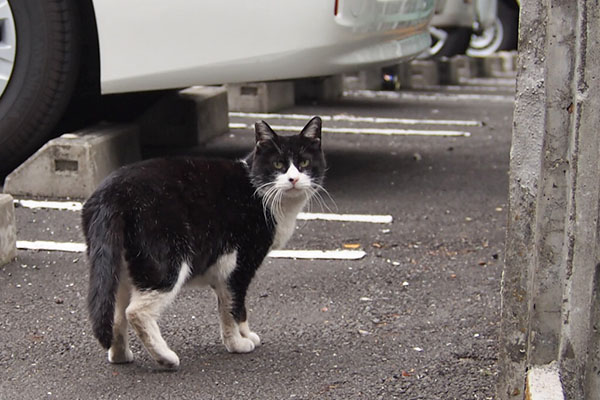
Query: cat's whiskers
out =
(271, 200)
(316, 196)
(267, 199)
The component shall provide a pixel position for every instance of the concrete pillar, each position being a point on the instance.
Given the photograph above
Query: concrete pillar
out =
(550, 288)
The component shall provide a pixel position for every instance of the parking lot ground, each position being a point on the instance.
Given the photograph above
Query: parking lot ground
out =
(415, 318)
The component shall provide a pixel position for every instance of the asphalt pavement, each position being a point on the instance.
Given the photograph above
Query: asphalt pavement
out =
(416, 318)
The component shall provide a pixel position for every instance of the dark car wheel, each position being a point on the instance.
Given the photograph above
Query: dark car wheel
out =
(39, 62)
(449, 42)
(502, 35)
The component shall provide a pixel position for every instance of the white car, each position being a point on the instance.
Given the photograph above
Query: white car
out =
(58, 55)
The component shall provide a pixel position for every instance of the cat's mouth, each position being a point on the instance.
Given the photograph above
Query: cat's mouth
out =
(294, 191)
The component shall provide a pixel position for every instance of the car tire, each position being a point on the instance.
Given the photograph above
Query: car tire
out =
(44, 73)
(502, 35)
(508, 14)
(456, 42)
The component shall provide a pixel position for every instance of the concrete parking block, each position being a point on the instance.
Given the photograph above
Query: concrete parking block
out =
(418, 73)
(8, 229)
(368, 79)
(260, 96)
(319, 89)
(73, 164)
(499, 65)
(186, 118)
(453, 71)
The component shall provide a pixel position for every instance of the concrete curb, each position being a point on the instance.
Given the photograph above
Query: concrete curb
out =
(8, 229)
(260, 96)
(73, 164)
(186, 118)
(368, 79)
(318, 89)
(418, 73)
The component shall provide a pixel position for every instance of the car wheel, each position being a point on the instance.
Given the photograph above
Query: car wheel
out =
(449, 42)
(502, 35)
(39, 62)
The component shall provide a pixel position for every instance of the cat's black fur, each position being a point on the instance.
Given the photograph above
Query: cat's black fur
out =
(148, 219)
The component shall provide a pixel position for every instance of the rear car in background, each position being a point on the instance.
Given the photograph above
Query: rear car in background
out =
(474, 27)
(57, 57)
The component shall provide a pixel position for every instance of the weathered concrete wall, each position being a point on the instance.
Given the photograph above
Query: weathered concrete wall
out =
(550, 288)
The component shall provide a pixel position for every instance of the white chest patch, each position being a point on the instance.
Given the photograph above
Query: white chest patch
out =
(284, 230)
(286, 222)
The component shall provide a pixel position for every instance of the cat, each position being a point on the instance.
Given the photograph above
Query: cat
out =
(154, 226)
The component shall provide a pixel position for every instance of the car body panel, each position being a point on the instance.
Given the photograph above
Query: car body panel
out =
(154, 44)
(464, 13)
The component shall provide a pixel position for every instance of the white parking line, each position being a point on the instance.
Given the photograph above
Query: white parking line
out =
(319, 254)
(374, 219)
(355, 118)
(363, 131)
(53, 205)
(71, 247)
(506, 89)
(305, 216)
(413, 96)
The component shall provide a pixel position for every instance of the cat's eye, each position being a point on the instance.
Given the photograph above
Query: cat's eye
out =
(278, 164)
(304, 163)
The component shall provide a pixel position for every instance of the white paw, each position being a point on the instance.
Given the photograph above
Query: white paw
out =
(254, 338)
(168, 359)
(120, 355)
(239, 345)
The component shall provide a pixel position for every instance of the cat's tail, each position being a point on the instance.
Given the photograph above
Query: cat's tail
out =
(104, 237)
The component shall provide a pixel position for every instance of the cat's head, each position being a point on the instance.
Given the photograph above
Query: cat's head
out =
(287, 167)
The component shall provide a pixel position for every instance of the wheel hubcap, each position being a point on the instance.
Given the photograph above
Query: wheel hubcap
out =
(8, 44)
(487, 42)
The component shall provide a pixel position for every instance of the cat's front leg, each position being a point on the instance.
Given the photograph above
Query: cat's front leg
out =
(247, 333)
(235, 334)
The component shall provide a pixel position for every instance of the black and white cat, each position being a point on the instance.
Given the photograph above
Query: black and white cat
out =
(154, 226)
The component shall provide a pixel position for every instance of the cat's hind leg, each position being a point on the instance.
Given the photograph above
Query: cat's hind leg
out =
(119, 351)
(143, 312)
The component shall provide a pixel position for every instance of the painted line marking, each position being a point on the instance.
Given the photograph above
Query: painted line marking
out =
(429, 96)
(490, 82)
(374, 219)
(295, 254)
(51, 246)
(305, 216)
(355, 118)
(319, 254)
(491, 89)
(53, 205)
(363, 131)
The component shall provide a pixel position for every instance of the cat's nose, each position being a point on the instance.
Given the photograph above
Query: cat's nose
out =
(294, 180)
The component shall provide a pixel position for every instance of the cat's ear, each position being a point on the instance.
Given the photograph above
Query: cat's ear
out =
(264, 133)
(312, 130)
